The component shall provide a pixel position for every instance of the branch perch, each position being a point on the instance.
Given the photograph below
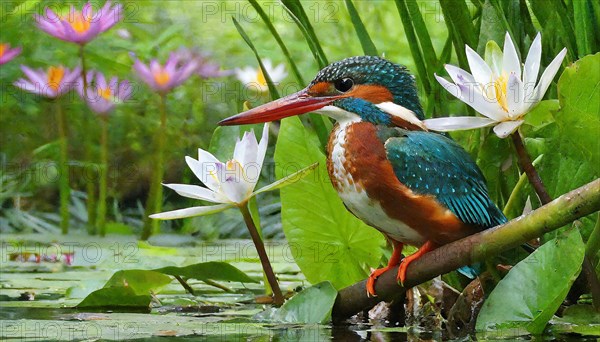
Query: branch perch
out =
(564, 210)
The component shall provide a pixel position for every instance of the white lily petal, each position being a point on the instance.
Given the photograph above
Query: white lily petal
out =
(245, 149)
(458, 75)
(262, 147)
(475, 99)
(510, 61)
(505, 128)
(268, 64)
(246, 75)
(456, 123)
(191, 212)
(482, 104)
(233, 183)
(514, 96)
(197, 192)
(479, 69)
(532, 62)
(548, 75)
(205, 172)
(450, 87)
(206, 157)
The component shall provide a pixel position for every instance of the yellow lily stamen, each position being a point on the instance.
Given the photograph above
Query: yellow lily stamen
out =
(3, 49)
(162, 77)
(80, 24)
(55, 76)
(230, 165)
(260, 78)
(105, 93)
(500, 86)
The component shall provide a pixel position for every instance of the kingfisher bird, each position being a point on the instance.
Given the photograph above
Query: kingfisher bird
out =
(416, 187)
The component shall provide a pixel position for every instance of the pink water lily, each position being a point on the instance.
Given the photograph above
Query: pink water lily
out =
(502, 90)
(163, 78)
(103, 97)
(51, 83)
(7, 54)
(80, 27)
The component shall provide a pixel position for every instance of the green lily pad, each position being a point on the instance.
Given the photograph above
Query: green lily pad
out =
(312, 305)
(533, 290)
(140, 281)
(212, 270)
(578, 319)
(115, 297)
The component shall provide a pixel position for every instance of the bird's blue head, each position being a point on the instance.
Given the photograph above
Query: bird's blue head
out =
(365, 88)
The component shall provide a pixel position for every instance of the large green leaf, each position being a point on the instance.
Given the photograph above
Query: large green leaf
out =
(212, 270)
(326, 241)
(572, 156)
(534, 289)
(222, 142)
(312, 305)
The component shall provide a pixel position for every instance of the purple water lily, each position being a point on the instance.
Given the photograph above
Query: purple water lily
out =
(80, 27)
(51, 83)
(103, 96)
(164, 78)
(206, 67)
(7, 54)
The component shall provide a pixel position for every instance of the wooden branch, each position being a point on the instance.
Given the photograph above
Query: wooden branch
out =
(564, 210)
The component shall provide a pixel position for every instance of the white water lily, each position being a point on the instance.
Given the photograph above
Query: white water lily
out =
(231, 184)
(254, 78)
(501, 90)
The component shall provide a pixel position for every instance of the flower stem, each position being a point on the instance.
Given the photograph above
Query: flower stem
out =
(87, 143)
(101, 218)
(530, 171)
(154, 202)
(262, 254)
(63, 168)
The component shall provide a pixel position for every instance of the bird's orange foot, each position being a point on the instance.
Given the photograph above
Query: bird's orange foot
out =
(401, 277)
(371, 281)
(394, 260)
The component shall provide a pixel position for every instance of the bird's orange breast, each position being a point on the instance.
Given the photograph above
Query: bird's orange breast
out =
(364, 158)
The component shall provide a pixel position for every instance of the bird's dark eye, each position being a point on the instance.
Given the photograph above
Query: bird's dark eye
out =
(344, 84)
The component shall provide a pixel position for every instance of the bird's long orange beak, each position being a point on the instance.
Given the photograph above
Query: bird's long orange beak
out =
(294, 104)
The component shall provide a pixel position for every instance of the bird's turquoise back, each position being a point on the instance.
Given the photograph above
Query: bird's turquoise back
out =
(431, 164)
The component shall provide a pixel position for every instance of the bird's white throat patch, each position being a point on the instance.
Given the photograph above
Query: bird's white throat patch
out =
(401, 112)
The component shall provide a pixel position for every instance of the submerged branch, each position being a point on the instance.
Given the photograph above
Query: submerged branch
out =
(565, 209)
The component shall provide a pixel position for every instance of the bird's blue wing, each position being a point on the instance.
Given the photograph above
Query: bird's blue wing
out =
(431, 164)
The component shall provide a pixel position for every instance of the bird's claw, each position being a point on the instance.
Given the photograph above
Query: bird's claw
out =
(371, 281)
